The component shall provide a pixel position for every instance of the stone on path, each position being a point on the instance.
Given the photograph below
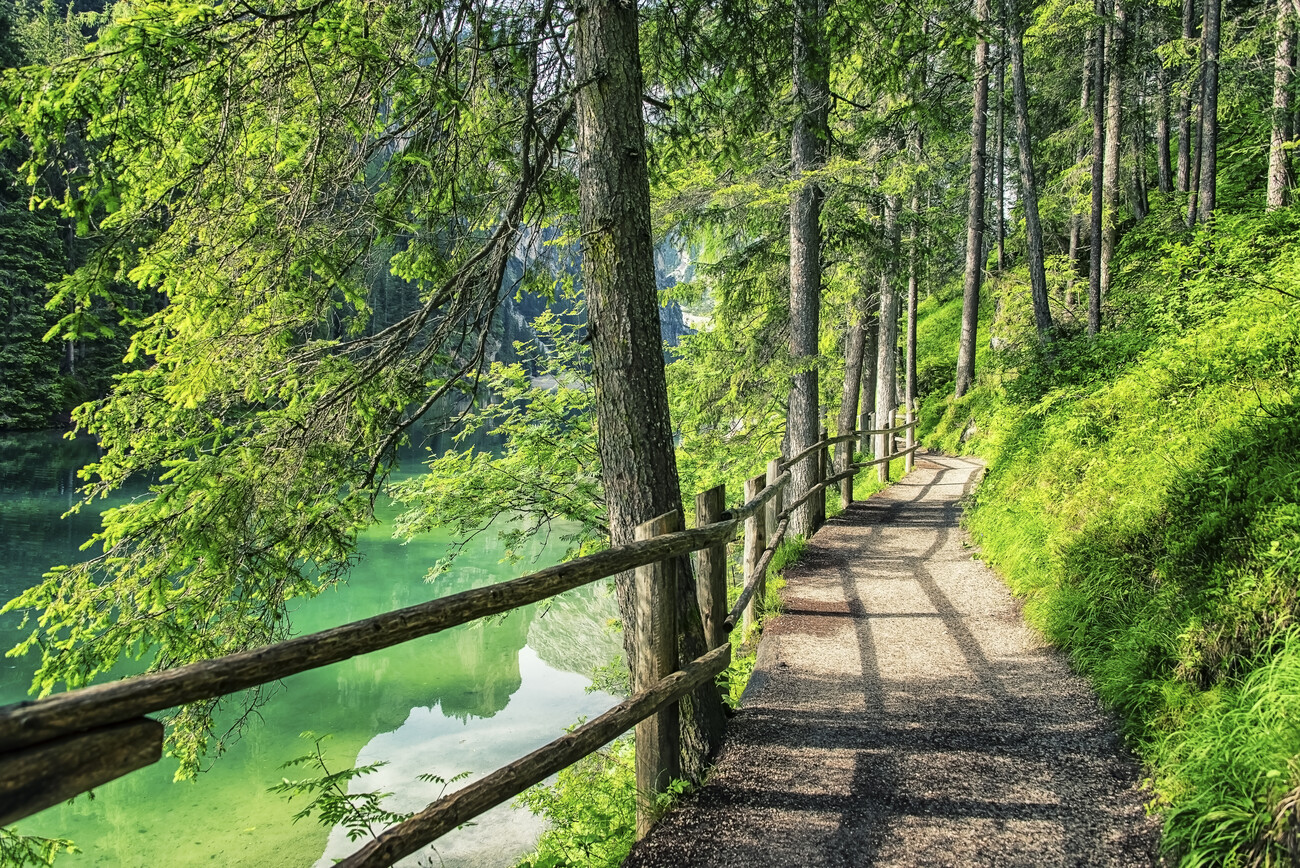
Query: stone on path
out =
(902, 714)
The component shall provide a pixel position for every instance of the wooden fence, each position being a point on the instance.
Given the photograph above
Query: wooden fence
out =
(54, 748)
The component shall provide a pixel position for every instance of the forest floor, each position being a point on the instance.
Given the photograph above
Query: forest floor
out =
(901, 713)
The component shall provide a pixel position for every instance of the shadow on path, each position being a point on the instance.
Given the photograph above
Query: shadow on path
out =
(901, 714)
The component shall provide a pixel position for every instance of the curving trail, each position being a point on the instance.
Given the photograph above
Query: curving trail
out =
(902, 714)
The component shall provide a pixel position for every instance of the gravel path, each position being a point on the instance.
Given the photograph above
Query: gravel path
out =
(902, 714)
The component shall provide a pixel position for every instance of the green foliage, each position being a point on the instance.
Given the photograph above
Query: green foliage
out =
(591, 809)
(31, 390)
(362, 814)
(1144, 499)
(247, 166)
(22, 851)
(547, 475)
(1238, 776)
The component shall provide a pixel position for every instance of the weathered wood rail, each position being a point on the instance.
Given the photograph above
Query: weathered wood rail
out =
(56, 747)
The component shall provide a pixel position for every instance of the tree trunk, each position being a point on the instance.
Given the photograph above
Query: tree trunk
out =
(1114, 125)
(634, 436)
(1098, 171)
(1000, 162)
(1141, 200)
(870, 352)
(1185, 107)
(1076, 219)
(1295, 46)
(1164, 167)
(1194, 186)
(1278, 179)
(887, 345)
(975, 212)
(913, 286)
(854, 346)
(1028, 185)
(808, 149)
(1209, 112)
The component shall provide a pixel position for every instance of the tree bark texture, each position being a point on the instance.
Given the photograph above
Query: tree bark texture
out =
(1194, 183)
(1141, 199)
(634, 435)
(854, 345)
(1185, 107)
(808, 151)
(1278, 175)
(913, 291)
(1000, 160)
(1076, 218)
(887, 345)
(1114, 127)
(870, 351)
(1028, 186)
(975, 212)
(1098, 170)
(1164, 165)
(1209, 112)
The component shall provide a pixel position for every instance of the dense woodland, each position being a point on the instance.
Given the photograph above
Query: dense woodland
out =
(268, 242)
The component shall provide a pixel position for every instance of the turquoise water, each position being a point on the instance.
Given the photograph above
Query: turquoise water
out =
(467, 700)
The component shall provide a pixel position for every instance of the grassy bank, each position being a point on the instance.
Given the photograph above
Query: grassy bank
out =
(1143, 497)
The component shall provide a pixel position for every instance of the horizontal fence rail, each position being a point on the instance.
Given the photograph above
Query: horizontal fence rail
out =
(56, 747)
(509, 781)
(31, 722)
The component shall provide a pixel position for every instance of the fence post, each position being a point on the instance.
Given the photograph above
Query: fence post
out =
(755, 542)
(776, 503)
(910, 461)
(711, 584)
(658, 741)
(846, 484)
(825, 467)
(886, 447)
(771, 518)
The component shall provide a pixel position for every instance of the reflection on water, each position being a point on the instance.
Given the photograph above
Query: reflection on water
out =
(432, 742)
(469, 699)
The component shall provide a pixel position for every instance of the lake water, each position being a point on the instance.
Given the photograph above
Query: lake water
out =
(467, 700)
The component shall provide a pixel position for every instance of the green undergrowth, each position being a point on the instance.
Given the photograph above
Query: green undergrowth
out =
(1143, 498)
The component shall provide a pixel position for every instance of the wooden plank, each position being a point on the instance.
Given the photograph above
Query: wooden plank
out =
(840, 477)
(712, 574)
(658, 739)
(31, 722)
(808, 495)
(760, 500)
(820, 444)
(509, 781)
(35, 778)
(739, 606)
(811, 450)
(755, 542)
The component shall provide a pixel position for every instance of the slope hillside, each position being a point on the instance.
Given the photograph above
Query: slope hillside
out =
(1143, 498)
